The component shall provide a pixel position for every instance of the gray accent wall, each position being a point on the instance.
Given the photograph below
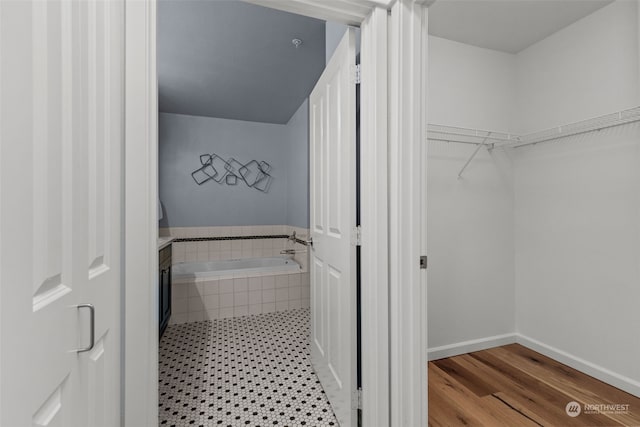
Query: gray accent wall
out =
(185, 204)
(182, 139)
(298, 168)
(333, 34)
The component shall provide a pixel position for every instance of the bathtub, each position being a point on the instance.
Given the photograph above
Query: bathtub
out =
(239, 287)
(247, 267)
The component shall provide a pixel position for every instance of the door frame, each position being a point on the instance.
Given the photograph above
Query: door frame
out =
(393, 125)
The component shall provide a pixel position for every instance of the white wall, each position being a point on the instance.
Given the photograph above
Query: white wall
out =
(585, 70)
(578, 246)
(469, 221)
(470, 86)
(577, 201)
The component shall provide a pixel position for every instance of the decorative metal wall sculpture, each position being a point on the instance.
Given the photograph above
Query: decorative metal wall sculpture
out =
(214, 168)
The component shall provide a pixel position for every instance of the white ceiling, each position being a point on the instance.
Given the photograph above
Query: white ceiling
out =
(506, 25)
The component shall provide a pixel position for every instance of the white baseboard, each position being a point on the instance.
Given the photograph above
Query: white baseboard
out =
(627, 384)
(469, 346)
(623, 383)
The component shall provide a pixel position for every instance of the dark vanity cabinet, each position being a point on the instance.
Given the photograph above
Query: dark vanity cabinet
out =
(164, 278)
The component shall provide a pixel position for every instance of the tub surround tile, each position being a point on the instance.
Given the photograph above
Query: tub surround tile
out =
(178, 257)
(226, 313)
(181, 291)
(226, 286)
(196, 316)
(268, 282)
(255, 297)
(178, 318)
(255, 284)
(295, 294)
(226, 300)
(282, 305)
(240, 284)
(195, 289)
(294, 280)
(268, 307)
(282, 281)
(240, 298)
(241, 311)
(305, 292)
(212, 302)
(255, 309)
(282, 294)
(179, 306)
(195, 304)
(211, 287)
(269, 295)
(212, 314)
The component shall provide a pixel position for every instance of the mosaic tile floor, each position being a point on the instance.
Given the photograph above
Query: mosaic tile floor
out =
(244, 371)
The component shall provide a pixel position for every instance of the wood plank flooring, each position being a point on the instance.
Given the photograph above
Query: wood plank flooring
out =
(514, 386)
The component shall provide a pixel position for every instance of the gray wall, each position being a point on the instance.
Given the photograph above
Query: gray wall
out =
(285, 147)
(333, 34)
(298, 168)
(181, 141)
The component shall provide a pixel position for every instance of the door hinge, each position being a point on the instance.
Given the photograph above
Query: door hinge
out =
(357, 236)
(358, 74)
(423, 262)
(357, 399)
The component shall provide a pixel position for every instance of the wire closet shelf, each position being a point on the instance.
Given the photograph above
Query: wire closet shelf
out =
(493, 139)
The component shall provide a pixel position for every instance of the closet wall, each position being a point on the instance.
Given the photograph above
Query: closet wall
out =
(539, 244)
(470, 220)
(577, 200)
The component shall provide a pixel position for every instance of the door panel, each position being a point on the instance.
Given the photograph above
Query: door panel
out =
(333, 215)
(61, 108)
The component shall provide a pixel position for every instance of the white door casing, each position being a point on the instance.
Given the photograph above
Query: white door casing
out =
(332, 258)
(140, 212)
(61, 133)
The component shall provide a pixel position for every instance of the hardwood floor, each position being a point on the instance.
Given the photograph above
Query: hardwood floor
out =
(514, 386)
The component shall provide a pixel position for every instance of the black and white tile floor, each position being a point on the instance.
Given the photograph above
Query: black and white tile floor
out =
(244, 371)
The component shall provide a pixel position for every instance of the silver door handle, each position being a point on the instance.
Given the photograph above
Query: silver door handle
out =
(309, 242)
(92, 327)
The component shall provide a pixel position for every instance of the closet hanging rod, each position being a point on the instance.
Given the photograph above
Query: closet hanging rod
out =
(619, 118)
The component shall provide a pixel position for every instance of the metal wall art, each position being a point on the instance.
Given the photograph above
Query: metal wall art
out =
(214, 168)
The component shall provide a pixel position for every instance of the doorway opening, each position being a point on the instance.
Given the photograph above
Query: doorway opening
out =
(234, 205)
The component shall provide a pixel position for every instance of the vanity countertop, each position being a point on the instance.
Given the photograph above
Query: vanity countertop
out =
(164, 242)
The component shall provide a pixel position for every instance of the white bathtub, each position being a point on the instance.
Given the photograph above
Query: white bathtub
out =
(195, 271)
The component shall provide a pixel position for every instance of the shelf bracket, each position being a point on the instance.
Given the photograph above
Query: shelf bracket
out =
(482, 144)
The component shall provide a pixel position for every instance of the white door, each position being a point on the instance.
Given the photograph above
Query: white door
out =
(333, 219)
(61, 138)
